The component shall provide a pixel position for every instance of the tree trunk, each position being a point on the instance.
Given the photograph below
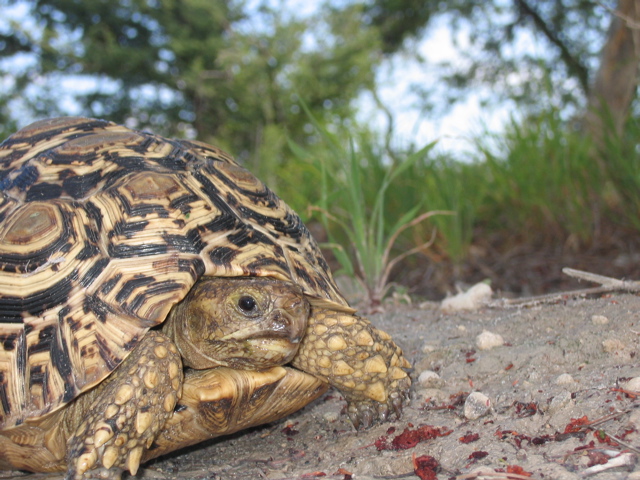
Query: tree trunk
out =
(616, 80)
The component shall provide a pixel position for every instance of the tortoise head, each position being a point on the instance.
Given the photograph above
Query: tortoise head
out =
(246, 323)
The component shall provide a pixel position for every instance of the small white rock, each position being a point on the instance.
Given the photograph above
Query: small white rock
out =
(634, 420)
(430, 379)
(331, 416)
(473, 299)
(599, 320)
(488, 340)
(632, 385)
(612, 345)
(428, 348)
(476, 405)
(564, 379)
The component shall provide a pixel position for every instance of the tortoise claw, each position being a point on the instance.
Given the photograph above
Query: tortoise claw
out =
(365, 412)
(362, 414)
(383, 412)
(354, 415)
(397, 399)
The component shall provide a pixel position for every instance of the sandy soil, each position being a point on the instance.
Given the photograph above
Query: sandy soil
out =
(559, 362)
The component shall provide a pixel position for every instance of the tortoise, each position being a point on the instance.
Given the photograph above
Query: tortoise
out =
(126, 259)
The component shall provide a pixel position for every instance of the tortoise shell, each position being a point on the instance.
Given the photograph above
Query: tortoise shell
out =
(103, 229)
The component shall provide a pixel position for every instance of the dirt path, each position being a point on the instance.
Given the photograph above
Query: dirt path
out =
(558, 363)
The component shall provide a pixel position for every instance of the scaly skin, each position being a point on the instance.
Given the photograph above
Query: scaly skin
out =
(222, 401)
(362, 362)
(128, 411)
(214, 402)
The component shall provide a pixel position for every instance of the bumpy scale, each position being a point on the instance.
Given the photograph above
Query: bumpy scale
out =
(127, 411)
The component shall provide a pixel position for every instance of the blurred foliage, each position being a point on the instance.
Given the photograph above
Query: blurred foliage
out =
(235, 76)
(622, 172)
(537, 53)
(355, 179)
(191, 68)
(232, 75)
(543, 177)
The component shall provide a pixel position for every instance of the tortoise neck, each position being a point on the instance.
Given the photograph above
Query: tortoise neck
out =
(175, 327)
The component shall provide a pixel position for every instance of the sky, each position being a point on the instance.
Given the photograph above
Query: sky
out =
(455, 129)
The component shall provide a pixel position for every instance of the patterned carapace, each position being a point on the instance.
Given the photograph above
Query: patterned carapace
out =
(102, 230)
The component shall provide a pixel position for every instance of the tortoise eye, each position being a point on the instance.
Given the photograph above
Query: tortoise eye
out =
(247, 304)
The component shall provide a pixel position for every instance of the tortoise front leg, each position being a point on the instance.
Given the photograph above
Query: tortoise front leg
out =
(120, 418)
(362, 362)
(221, 401)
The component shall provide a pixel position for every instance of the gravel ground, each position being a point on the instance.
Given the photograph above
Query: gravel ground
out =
(558, 369)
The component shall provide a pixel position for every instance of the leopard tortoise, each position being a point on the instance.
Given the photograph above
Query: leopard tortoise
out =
(151, 293)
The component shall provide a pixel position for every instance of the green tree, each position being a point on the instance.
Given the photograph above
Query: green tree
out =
(210, 70)
(539, 53)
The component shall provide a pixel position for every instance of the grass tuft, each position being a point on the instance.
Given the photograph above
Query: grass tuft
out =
(354, 184)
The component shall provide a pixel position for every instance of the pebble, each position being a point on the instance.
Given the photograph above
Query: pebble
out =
(633, 384)
(612, 345)
(428, 348)
(488, 340)
(331, 416)
(634, 420)
(430, 379)
(599, 320)
(476, 405)
(473, 299)
(564, 379)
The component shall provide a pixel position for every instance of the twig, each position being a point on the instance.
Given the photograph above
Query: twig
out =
(606, 282)
(391, 477)
(606, 418)
(621, 442)
(607, 285)
(631, 23)
(623, 460)
(497, 475)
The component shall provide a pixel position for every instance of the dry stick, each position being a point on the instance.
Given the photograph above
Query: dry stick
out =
(607, 285)
(497, 475)
(621, 442)
(631, 23)
(608, 418)
(392, 477)
(624, 460)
